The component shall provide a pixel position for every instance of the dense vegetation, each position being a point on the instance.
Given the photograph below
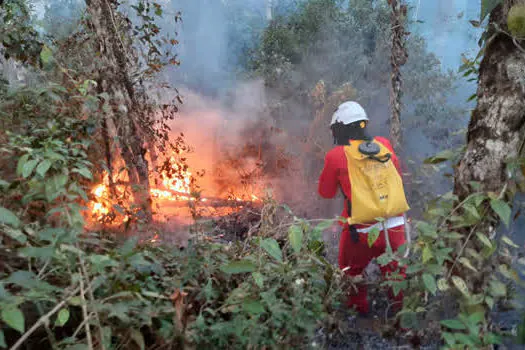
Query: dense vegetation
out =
(76, 105)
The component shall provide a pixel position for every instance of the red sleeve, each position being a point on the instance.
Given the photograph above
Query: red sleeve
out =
(395, 160)
(328, 180)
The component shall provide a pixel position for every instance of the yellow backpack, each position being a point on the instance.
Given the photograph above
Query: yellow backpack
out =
(377, 188)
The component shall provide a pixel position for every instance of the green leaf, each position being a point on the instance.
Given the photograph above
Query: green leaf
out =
(502, 209)
(372, 236)
(473, 253)
(2, 340)
(440, 157)
(461, 285)
(498, 289)
(129, 246)
(85, 172)
(62, 318)
(55, 186)
(21, 163)
(28, 168)
(466, 339)
(442, 284)
(491, 338)
(476, 317)
(449, 338)
(472, 211)
(466, 262)
(46, 54)
(43, 167)
(509, 242)
(484, 239)
(14, 318)
(489, 301)
(241, 266)
(412, 269)
(454, 236)
(7, 217)
(318, 230)
(253, 307)
(258, 278)
(453, 324)
(38, 252)
(398, 286)
(271, 246)
(511, 274)
(430, 283)
(427, 229)
(408, 320)
(75, 301)
(71, 249)
(486, 8)
(427, 254)
(385, 259)
(295, 235)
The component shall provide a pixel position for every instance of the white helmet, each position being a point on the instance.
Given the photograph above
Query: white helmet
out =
(348, 113)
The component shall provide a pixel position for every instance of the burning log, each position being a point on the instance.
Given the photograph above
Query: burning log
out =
(211, 202)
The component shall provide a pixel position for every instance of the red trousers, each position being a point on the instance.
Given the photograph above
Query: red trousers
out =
(358, 255)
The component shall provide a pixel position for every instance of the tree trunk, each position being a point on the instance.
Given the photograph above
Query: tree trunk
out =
(496, 129)
(114, 78)
(398, 58)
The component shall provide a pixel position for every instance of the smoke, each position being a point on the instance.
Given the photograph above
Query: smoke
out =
(226, 119)
(249, 134)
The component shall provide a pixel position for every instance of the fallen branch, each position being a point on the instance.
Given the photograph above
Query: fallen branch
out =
(85, 312)
(209, 202)
(43, 319)
(92, 300)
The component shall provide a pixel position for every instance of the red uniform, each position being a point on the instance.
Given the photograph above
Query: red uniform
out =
(356, 256)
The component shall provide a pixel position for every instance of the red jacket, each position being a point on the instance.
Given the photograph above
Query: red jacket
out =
(335, 172)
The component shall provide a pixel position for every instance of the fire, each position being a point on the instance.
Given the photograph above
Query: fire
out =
(181, 181)
(176, 182)
(101, 192)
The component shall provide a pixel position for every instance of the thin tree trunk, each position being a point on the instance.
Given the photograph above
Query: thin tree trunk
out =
(496, 129)
(397, 60)
(107, 150)
(115, 79)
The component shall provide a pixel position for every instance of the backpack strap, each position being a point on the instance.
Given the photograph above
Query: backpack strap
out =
(385, 159)
(354, 235)
(348, 204)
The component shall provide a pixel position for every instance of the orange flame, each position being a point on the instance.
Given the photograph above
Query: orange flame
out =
(176, 186)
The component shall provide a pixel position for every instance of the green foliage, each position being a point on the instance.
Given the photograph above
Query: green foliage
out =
(516, 21)
(18, 37)
(372, 236)
(278, 304)
(454, 255)
(158, 46)
(295, 235)
(138, 287)
(14, 318)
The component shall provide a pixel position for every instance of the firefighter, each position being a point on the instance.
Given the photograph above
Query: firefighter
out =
(349, 123)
